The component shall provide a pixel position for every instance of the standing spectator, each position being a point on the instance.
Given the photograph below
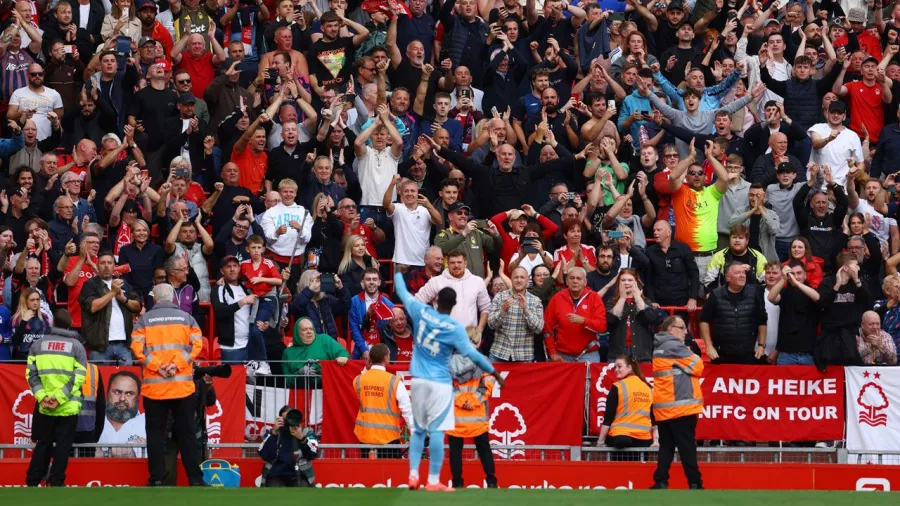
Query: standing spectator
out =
(36, 102)
(108, 308)
(843, 299)
(866, 97)
(674, 274)
(168, 380)
(875, 346)
(572, 320)
(339, 50)
(474, 302)
(288, 228)
(232, 238)
(231, 305)
(78, 270)
(367, 309)
(631, 319)
(889, 307)
(355, 260)
(464, 235)
(833, 144)
(574, 253)
(182, 242)
(465, 34)
(191, 53)
(677, 401)
(799, 303)
(55, 372)
(30, 323)
(773, 312)
(377, 164)
(821, 227)
(515, 317)
(781, 196)
(737, 314)
(262, 277)
(738, 250)
(15, 61)
(763, 223)
(148, 112)
(887, 153)
(412, 222)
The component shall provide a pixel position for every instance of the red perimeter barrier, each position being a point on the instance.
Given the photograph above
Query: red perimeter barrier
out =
(339, 473)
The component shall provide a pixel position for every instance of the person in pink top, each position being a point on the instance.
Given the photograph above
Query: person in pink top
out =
(472, 300)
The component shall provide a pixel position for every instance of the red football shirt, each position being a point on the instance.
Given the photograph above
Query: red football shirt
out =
(201, 70)
(866, 108)
(366, 234)
(87, 272)
(266, 269)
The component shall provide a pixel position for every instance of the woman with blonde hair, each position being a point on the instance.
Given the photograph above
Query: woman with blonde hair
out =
(355, 261)
(122, 20)
(324, 248)
(142, 258)
(320, 307)
(631, 318)
(29, 323)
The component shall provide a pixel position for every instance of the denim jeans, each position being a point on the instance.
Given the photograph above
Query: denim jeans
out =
(256, 347)
(237, 355)
(794, 359)
(592, 357)
(116, 353)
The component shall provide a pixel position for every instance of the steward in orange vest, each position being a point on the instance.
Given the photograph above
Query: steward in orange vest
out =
(677, 400)
(93, 410)
(166, 340)
(472, 388)
(627, 422)
(383, 404)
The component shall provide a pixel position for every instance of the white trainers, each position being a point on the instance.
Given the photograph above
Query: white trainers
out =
(263, 368)
(252, 368)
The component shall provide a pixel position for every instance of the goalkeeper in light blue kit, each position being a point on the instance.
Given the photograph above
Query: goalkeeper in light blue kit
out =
(437, 336)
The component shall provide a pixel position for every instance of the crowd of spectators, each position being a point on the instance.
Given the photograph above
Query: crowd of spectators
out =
(571, 170)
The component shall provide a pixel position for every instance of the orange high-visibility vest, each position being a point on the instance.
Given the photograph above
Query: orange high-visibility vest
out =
(477, 391)
(378, 420)
(166, 335)
(633, 410)
(676, 379)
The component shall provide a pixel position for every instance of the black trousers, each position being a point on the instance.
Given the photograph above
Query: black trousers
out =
(626, 442)
(157, 413)
(678, 433)
(483, 447)
(45, 431)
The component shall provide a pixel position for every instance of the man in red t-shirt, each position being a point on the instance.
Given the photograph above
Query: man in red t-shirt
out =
(196, 60)
(397, 335)
(78, 271)
(866, 97)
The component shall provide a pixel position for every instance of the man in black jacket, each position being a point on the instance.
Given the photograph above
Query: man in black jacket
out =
(504, 187)
(758, 135)
(674, 277)
(185, 132)
(821, 228)
(738, 314)
(231, 303)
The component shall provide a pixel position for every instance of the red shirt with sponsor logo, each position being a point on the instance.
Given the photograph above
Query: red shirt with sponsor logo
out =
(86, 273)
(266, 269)
(366, 233)
(404, 348)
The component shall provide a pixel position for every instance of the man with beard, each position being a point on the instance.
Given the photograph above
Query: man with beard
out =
(603, 280)
(562, 70)
(335, 50)
(61, 25)
(15, 60)
(551, 115)
(36, 102)
(65, 73)
(152, 29)
(123, 422)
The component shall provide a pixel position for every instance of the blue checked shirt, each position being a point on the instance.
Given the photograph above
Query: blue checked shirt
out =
(514, 332)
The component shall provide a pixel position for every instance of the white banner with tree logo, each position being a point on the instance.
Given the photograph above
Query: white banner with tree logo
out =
(873, 411)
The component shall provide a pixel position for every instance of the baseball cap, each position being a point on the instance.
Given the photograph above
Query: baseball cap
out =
(17, 190)
(516, 214)
(143, 4)
(145, 40)
(165, 64)
(770, 21)
(456, 206)
(187, 98)
(228, 258)
(869, 59)
(837, 106)
(130, 207)
(785, 167)
(676, 4)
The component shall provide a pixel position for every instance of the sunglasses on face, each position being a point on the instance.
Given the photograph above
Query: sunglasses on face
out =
(695, 172)
(35, 73)
(184, 81)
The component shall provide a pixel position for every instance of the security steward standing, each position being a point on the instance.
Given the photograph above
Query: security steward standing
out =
(628, 421)
(472, 388)
(167, 340)
(93, 409)
(383, 402)
(677, 400)
(55, 373)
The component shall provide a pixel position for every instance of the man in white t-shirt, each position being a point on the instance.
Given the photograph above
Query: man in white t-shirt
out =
(833, 144)
(123, 423)
(870, 206)
(412, 222)
(377, 164)
(36, 101)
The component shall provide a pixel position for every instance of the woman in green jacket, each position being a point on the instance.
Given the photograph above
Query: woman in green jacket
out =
(301, 361)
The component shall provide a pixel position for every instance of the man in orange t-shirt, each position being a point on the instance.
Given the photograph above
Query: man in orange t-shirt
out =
(249, 154)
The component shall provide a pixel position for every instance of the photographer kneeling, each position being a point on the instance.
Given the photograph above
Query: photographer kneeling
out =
(288, 451)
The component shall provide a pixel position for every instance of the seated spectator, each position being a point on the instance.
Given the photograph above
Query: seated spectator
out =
(875, 346)
(301, 361)
(889, 308)
(631, 319)
(417, 277)
(311, 302)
